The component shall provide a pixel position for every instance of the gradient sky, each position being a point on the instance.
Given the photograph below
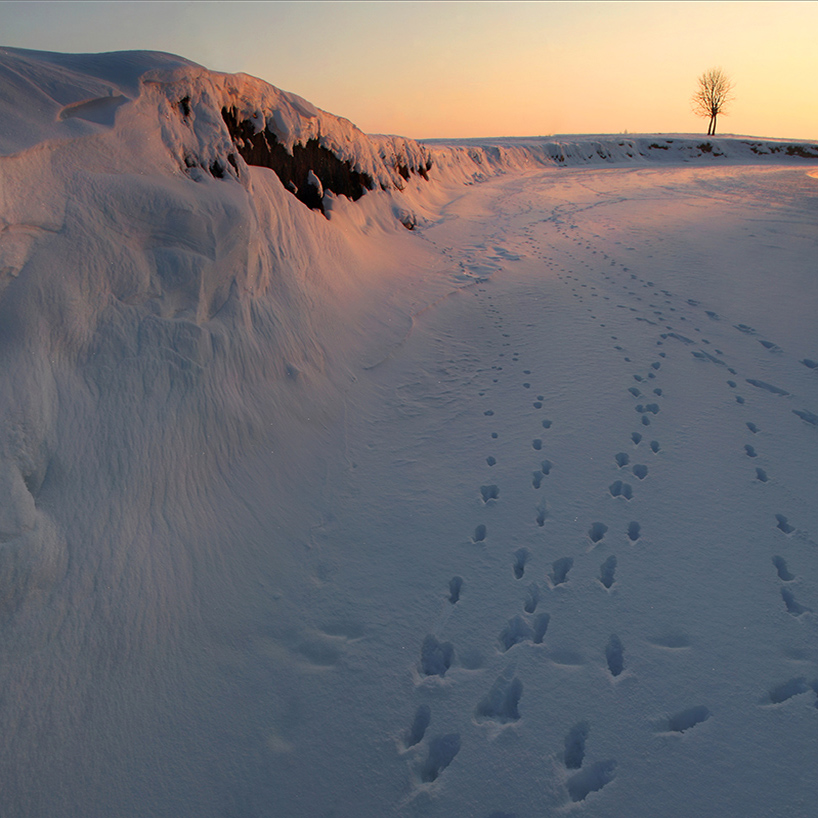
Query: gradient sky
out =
(466, 69)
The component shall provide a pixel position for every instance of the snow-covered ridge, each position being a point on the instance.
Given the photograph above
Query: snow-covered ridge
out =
(207, 119)
(487, 156)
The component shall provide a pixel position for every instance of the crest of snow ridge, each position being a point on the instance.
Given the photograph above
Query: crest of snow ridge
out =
(312, 152)
(208, 120)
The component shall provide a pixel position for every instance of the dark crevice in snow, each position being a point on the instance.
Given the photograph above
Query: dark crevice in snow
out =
(300, 170)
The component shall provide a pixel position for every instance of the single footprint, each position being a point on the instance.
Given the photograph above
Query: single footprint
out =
(423, 716)
(607, 570)
(781, 566)
(435, 657)
(793, 607)
(537, 443)
(546, 424)
(636, 438)
(597, 531)
(540, 628)
(622, 459)
(751, 452)
(591, 779)
(442, 750)
(491, 492)
(614, 653)
(783, 525)
(532, 598)
(783, 692)
(654, 446)
(575, 745)
(634, 391)
(542, 513)
(480, 533)
(761, 475)
(546, 466)
(752, 427)
(536, 480)
(640, 471)
(455, 587)
(501, 703)
(561, 567)
(521, 557)
(517, 630)
(491, 460)
(633, 531)
(680, 722)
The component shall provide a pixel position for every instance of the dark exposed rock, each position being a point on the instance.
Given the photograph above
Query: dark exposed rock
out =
(264, 150)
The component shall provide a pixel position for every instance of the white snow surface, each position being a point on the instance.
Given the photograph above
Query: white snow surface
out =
(510, 514)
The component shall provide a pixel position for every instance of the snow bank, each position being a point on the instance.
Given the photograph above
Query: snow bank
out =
(479, 158)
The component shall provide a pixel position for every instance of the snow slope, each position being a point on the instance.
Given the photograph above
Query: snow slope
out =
(306, 513)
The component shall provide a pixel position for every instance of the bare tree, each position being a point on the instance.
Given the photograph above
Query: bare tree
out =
(712, 96)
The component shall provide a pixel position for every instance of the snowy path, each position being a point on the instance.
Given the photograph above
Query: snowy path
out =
(570, 560)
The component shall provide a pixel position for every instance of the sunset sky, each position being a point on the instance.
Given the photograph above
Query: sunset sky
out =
(441, 69)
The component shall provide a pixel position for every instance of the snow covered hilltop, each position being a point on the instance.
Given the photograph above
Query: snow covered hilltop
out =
(303, 513)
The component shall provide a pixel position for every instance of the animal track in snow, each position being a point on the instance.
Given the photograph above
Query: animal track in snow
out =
(546, 466)
(561, 567)
(793, 607)
(622, 459)
(751, 452)
(546, 424)
(620, 489)
(423, 716)
(536, 479)
(575, 746)
(540, 628)
(680, 722)
(640, 471)
(767, 387)
(607, 570)
(810, 363)
(809, 417)
(761, 475)
(614, 654)
(654, 446)
(591, 779)
(783, 525)
(488, 493)
(491, 460)
(442, 750)
(636, 438)
(517, 630)
(480, 533)
(783, 692)
(752, 427)
(521, 557)
(501, 703)
(537, 443)
(435, 657)
(781, 567)
(541, 515)
(455, 587)
(597, 531)
(633, 531)
(532, 598)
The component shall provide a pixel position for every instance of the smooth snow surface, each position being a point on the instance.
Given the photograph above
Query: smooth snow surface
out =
(511, 514)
